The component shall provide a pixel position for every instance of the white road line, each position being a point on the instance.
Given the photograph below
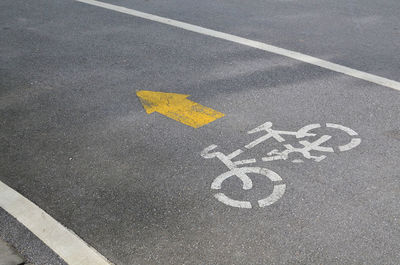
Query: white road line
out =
(71, 248)
(251, 43)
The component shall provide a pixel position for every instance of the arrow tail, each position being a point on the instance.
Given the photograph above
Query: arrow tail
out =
(192, 114)
(178, 107)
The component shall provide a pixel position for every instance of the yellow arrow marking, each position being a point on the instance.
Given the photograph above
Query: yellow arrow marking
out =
(178, 107)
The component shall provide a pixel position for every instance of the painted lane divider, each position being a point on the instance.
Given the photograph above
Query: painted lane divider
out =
(251, 43)
(178, 107)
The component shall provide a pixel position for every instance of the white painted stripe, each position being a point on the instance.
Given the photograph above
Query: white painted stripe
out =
(71, 248)
(251, 43)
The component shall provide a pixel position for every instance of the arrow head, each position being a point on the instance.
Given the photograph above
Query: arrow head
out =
(152, 101)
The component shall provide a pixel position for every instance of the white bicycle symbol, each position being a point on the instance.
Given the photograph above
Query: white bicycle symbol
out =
(241, 173)
(279, 188)
(307, 146)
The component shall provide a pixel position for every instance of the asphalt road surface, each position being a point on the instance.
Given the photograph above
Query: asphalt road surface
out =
(76, 140)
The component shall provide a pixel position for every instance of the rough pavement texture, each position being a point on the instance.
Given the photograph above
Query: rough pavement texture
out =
(75, 140)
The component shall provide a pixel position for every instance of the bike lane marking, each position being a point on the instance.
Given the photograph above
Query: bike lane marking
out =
(68, 245)
(313, 144)
(251, 43)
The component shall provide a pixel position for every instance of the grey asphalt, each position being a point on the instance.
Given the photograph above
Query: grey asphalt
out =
(75, 139)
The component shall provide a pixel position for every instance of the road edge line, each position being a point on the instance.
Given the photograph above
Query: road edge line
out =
(63, 241)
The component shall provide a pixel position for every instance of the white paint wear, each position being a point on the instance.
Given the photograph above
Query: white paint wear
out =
(277, 135)
(307, 146)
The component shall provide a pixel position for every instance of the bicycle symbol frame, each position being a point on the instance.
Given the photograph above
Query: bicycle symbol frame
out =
(279, 187)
